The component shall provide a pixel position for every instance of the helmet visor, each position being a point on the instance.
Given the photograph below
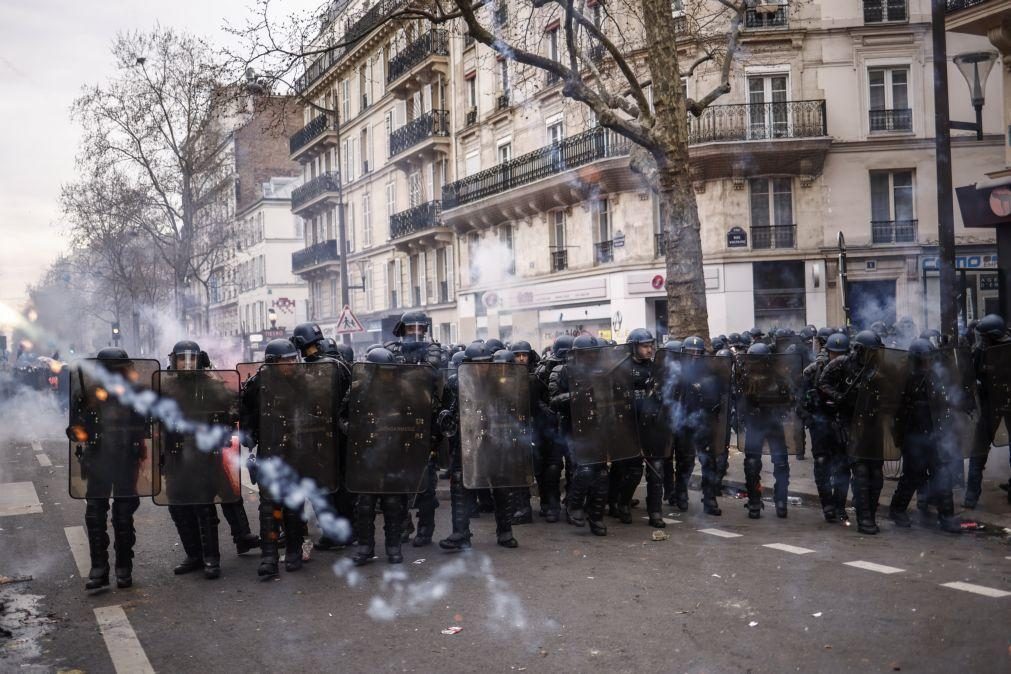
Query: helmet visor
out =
(186, 360)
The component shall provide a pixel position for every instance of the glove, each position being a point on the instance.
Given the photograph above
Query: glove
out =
(251, 467)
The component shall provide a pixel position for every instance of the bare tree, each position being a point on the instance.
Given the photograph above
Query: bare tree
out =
(622, 59)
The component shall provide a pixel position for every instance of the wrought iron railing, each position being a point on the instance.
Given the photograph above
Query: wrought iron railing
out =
(604, 251)
(421, 217)
(597, 143)
(597, 52)
(354, 34)
(757, 18)
(894, 231)
(764, 237)
(309, 132)
(316, 254)
(759, 121)
(324, 182)
(471, 117)
(955, 5)
(559, 260)
(659, 244)
(432, 123)
(883, 11)
(435, 41)
(502, 102)
(900, 119)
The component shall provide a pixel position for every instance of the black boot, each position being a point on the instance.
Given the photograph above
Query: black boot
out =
(122, 525)
(656, 520)
(781, 511)
(407, 526)
(709, 504)
(238, 524)
(364, 553)
(460, 510)
(552, 503)
(208, 519)
(752, 479)
(503, 518)
(188, 528)
(293, 541)
(596, 501)
(900, 517)
(522, 513)
(866, 523)
(946, 518)
(392, 519)
(268, 539)
(98, 543)
(426, 527)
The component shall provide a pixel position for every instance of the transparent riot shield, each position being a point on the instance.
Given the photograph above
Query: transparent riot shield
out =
(298, 419)
(997, 392)
(495, 427)
(769, 395)
(111, 453)
(246, 370)
(653, 406)
(390, 412)
(878, 395)
(603, 415)
(185, 472)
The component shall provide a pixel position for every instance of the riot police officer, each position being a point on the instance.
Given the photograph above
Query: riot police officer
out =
(701, 407)
(550, 433)
(654, 432)
(524, 354)
(991, 331)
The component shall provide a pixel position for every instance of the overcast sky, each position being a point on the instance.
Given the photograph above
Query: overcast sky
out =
(48, 50)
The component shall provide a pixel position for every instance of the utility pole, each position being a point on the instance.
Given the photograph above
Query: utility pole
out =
(945, 199)
(342, 232)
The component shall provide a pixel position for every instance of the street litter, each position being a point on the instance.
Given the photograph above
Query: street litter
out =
(7, 580)
(752, 623)
(793, 500)
(455, 629)
(660, 535)
(419, 561)
(816, 615)
(971, 526)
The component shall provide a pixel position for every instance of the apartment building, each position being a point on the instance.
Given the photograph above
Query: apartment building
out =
(544, 228)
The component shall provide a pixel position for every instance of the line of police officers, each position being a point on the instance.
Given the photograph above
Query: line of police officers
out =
(368, 434)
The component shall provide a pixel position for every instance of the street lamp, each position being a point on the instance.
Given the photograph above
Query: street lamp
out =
(844, 279)
(975, 68)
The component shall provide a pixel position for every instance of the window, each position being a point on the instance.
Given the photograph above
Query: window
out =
(559, 252)
(442, 273)
(505, 235)
(889, 99)
(471, 84)
(880, 11)
(349, 225)
(414, 271)
(505, 151)
(414, 191)
(473, 241)
(333, 296)
(556, 131)
(391, 197)
(389, 130)
(472, 163)
(503, 76)
(893, 219)
(779, 293)
(552, 42)
(392, 283)
(346, 99)
(367, 285)
(604, 247)
(768, 112)
(366, 220)
(772, 223)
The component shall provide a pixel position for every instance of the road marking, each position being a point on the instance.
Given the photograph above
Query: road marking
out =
(977, 589)
(792, 549)
(44, 460)
(124, 648)
(719, 532)
(19, 498)
(36, 446)
(78, 541)
(668, 520)
(871, 566)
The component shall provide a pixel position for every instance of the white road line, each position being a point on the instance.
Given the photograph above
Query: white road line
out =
(127, 654)
(792, 549)
(871, 566)
(43, 460)
(977, 589)
(719, 532)
(19, 498)
(78, 541)
(36, 446)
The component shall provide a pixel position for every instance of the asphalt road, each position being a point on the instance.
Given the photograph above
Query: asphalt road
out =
(564, 601)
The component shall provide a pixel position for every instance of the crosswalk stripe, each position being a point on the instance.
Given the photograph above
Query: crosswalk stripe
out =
(720, 533)
(127, 654)
(977, 589)
(36, 446)
(19, 498)
(78, 541)
(792, 549)
(871, 566)
(43, 460)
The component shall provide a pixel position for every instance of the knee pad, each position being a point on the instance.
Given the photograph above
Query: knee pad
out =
(752, 464)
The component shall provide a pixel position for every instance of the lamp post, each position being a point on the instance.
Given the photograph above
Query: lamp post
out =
(975, 68)
(844, 279)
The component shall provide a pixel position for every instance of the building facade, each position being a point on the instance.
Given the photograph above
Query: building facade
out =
(827, 130)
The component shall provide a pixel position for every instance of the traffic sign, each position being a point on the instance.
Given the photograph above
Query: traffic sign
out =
(347, 322)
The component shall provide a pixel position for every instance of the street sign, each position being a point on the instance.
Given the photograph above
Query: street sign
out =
(737, 238)
(255, 338)
(347, 322)
(274, 333)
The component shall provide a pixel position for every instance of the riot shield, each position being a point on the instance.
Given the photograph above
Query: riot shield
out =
(495, 427)
(878, 396)
(246, 370)
(769, 394)
(997, 387)
(653, 407)
(390, 411)
(603, 416)
(186, 473)
(298, 419)
(110, 455)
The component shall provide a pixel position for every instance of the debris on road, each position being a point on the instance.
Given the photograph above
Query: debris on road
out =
(419, 561)
(7, 580)
(453, 629)
(660, 535)
(752, 623)
(816, 615)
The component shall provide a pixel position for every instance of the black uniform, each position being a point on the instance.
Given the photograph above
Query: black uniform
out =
(988, 426)
(551, 444)
(831, 469)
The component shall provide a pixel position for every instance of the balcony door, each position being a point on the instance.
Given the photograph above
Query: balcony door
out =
(768, 111)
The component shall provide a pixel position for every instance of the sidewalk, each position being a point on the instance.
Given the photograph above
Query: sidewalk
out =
(993, 508)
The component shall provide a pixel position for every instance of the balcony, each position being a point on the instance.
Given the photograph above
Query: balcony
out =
(769, 237)
(419, 227)
(502, 101)
(421, 137)
(659, 244)
(893, 231)
(420, 63)
(559, 259)
(471, 118)
(885, 11)
(551, 78)
(900, 119)
(354, 34)
(766, 16)
(956, 5)
(314, 136)
(603, 252)
(316, 255)
(314, 193)
(786, 138)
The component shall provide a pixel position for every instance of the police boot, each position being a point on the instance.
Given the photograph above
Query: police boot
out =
(781, 511)
(189, 535)
(126, 537)
(752, 479)
(503, 520)
(709, 504)
(98, 544)
(268, 540)
(946, 518)
(426, 527)
(208, 519)
(460, 508)
(862, 500)
(365, 530)
(552, 493)
(238, 524)
(680, 498)
(393, 516)
(522, 513)
(597, 499)
(899, 517)
(407, 526)
(293, 541)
